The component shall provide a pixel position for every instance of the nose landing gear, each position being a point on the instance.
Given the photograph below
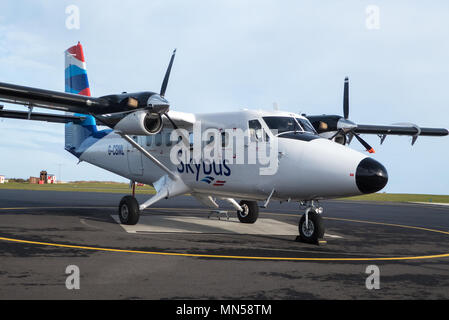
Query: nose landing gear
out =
(311, 227)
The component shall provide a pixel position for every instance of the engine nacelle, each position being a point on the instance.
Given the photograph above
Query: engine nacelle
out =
(140, 123)
(340, 138)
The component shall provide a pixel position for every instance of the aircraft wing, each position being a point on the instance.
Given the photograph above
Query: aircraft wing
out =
(342, 130)
(34, 97)
(406, 129)
(182, 120)
(55, 118)
(116, 105)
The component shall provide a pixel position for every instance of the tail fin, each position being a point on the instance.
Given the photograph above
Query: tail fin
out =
(76, 82)
(75, 71)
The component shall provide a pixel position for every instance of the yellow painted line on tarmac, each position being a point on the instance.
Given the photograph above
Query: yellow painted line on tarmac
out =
(443, 255)
(220, 256)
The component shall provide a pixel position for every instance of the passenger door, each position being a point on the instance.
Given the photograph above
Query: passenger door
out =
(135, 162)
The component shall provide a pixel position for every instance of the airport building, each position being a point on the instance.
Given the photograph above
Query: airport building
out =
(44, 177)
(34, 180)
(51, 178)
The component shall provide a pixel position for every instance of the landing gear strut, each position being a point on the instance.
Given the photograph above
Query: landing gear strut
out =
(311, 227)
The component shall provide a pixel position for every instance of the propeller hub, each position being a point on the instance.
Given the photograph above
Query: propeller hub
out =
(158, 104)
(346, 125)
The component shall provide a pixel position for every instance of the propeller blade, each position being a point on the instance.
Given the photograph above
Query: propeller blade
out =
(171, 121)
(167, 75)
(346, 99)
(350, 136)
(364, 143)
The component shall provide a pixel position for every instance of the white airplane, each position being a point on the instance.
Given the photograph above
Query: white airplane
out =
(311, 160)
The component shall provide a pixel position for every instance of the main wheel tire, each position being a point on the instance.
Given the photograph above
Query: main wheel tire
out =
(128, 210)
(315, 229)
(250, 211)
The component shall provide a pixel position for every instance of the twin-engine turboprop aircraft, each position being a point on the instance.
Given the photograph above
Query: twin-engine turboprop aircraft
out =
(250, 155)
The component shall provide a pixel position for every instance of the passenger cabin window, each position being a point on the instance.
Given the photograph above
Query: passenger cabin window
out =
(150, 139)
(191, 139)
(158, 139)
(224, 139)
(181, 139)
(168, 142)
(211, 139)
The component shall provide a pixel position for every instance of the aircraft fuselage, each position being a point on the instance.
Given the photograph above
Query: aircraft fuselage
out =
(307, 167)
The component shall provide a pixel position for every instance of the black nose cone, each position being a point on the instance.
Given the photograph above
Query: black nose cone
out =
(371, 176)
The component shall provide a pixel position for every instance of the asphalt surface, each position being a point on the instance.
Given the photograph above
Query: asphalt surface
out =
(34, 223)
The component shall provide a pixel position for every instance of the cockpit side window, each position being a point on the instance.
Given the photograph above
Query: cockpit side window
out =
(255, 130)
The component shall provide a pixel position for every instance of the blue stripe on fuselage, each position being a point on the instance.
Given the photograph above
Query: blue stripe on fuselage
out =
(89, 141)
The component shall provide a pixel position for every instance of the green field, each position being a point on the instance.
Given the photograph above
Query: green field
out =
(114, 187)
(401, 197)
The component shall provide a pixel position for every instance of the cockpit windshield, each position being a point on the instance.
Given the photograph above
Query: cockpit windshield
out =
(288, 124)
(282, 124)
(307, 126)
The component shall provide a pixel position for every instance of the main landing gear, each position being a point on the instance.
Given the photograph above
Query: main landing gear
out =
(249, 212)
(128, 210)
(311, 227)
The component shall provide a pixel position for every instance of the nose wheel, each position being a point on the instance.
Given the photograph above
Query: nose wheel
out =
(311, 226)
(313, 230)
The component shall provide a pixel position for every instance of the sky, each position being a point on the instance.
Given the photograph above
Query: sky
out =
(238, 54)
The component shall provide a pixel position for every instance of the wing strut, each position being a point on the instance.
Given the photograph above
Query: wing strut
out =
(169, 185)
(149, 156)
